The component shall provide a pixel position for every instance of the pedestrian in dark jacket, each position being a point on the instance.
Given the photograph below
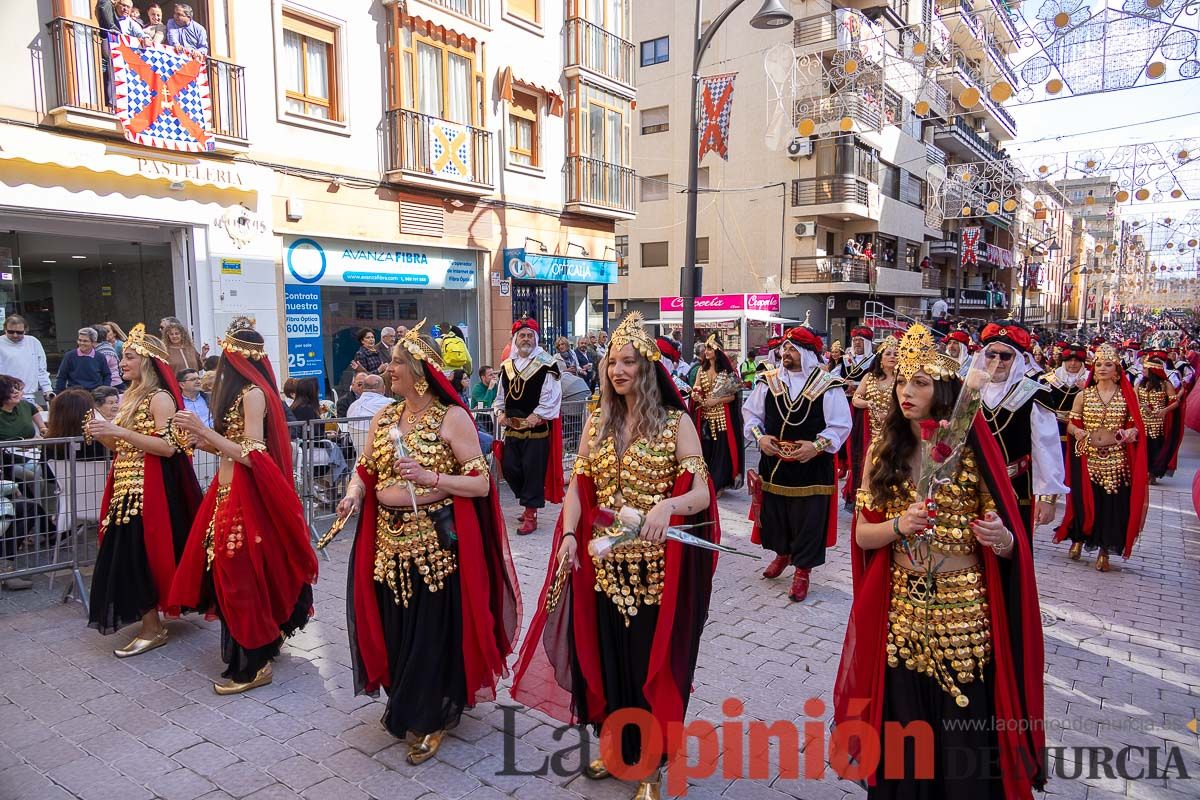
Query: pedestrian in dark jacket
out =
(84, 366)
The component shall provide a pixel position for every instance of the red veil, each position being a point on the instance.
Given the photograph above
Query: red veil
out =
(544, 676)
(1018, 659)
(491, 597)
(1139, 492)
(257, 590)
(170, 498)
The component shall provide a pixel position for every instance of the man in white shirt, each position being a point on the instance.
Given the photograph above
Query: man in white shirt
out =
(800, 417)
(940, 308)
(368, 403)
(23, 357)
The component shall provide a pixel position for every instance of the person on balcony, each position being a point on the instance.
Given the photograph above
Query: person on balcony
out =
(126, 24)
(184, 33)
(156, 31)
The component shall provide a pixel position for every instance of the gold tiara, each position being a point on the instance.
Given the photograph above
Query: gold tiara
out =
(890, 341)
(837, 347)
(713, 342)
(1106, 353)
(146, 345)
(418, 348)
(234, 342)
(630, 331)
(916, 352)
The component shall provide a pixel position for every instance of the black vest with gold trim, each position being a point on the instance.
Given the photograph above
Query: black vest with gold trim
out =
(796, 420)
(523, 390)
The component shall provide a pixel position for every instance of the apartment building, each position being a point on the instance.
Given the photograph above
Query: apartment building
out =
(369, 164)
(1093, 203)
(1046, 236)
(869, 126)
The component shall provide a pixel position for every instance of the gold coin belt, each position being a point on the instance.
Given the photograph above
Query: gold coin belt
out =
(226, 531)
(1152, 402)
(1107, 465)
(715, 416)
(880, 402)
(129, 472)
(631, 575)
(939, 626)
(404, 538)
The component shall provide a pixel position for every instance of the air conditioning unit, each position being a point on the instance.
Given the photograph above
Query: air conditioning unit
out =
(806, 229)
(799, 146)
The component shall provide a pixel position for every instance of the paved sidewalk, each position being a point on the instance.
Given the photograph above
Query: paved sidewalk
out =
(1122, 654)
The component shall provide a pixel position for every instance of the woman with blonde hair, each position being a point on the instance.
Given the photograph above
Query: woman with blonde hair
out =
(149, 502)
(116, 336)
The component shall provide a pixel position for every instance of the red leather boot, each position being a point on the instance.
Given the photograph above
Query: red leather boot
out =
(776, 567)
(528, 522)
(799, 589)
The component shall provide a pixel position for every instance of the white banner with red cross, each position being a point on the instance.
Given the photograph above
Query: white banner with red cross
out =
(161, 96)
(970, 245)
(715, 104)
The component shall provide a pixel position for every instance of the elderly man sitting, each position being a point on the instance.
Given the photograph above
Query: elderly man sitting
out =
(185, 33)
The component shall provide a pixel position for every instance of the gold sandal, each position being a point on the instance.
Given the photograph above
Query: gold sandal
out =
(596, 770)
(425, 748)
(140, 645)
(230, 686)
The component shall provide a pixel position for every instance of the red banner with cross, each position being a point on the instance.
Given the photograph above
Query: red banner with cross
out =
(970, 245)
(715, 106)
(161, 96)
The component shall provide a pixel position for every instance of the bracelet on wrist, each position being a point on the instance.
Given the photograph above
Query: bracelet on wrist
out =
(896, 528)
(569, 533)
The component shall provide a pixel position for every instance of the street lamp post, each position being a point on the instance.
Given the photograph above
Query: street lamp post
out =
(771, 15)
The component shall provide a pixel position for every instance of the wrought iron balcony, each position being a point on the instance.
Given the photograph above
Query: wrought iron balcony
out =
(82, 82)
(834, 189)
(829, 269)
(591, 47)
(421, 148)
(594, 186)
(478, 10)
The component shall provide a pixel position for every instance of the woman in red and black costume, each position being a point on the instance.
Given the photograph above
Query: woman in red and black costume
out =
(716, 402)
(432, 598)
(249, 561)
(1159, 401)
(853, 368)
(590, 651)
(149, 502)
(1108, 452)
(945, 627)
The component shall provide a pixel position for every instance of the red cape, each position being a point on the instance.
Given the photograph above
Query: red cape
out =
(256, 589)
(543, 677)
(1139, 494)
(491, 601)
(857, 445)
(1017, 690)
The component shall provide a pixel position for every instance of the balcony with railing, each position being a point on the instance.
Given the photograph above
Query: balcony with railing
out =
(962, 140)
(1001, 62)
(845, 272)
(841, 190)
(598, 51)
(599, 188)
(81, 95)
(475, 10)
(959, 18)
(427, 151)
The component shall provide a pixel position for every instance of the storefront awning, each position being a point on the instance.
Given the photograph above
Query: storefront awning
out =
(45, 148)
(676, 317)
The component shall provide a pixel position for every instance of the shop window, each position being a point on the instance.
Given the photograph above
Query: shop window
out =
(656, 120)
(701, 249)
(309, 67)
(525, 9)
(654, 187)
(523, 134)
(654, 254)
(656, 51)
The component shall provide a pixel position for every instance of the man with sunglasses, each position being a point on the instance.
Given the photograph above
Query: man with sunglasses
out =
(23, 357)
(1026, 430)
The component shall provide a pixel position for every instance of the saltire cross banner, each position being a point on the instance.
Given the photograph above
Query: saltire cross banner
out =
(450, 150)
(970, 245)
(715, 106)
(161, 96)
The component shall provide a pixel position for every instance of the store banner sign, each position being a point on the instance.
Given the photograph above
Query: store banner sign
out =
(560, 269)
(305, 355)
(725, 302)
(338, 262)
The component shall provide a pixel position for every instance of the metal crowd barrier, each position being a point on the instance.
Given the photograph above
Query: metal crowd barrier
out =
(51, 490)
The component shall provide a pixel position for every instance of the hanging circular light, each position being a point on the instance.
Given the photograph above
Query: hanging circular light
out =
(1192, 242)
(1043, 169)
(1001, 91)
(1039, 205)
(969, 98)
(1010, 205)
(1176, 194)
(1062, 19)
(1122, 196)
(993, 207)
(806, 127)
(851, 66)
(1183, 155)
(922, 108)
(919, 49)
(1099, 249)
(1054, 86)
(966, 211)
(1142, 194)
(1156, 69)
(846, 124)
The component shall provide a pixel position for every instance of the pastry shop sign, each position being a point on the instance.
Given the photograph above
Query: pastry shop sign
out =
(724, 302)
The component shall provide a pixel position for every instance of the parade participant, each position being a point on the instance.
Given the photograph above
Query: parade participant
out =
(149, 502)
(874, 397)
(976, 680)
(772, 356)
(432, 600)
(1025, 430)
(1110, 446)
(1064, 382)
(1186, 376)
(1157, 400)
(527, 407)
(717, 411)
(619, 628)
(800, 417)
(670, 361)
(833, 357)
(854, 365)
(249, 561)
(957, 344)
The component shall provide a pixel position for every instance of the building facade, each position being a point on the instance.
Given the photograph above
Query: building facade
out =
(371, 164)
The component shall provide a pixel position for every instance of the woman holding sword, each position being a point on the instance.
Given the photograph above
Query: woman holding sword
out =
(432, 602)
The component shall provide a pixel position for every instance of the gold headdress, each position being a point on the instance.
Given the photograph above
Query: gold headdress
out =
(234, 341)
(631, 331)
(837, 348)
(713, 341)
(916, 352)
(418, 348)
(890, 341)
(1106, 353)
(146, 345)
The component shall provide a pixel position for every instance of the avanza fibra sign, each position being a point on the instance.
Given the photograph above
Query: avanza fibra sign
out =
(337, 262)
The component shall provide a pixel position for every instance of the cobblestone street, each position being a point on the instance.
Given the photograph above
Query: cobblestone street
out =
(1122, 656)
